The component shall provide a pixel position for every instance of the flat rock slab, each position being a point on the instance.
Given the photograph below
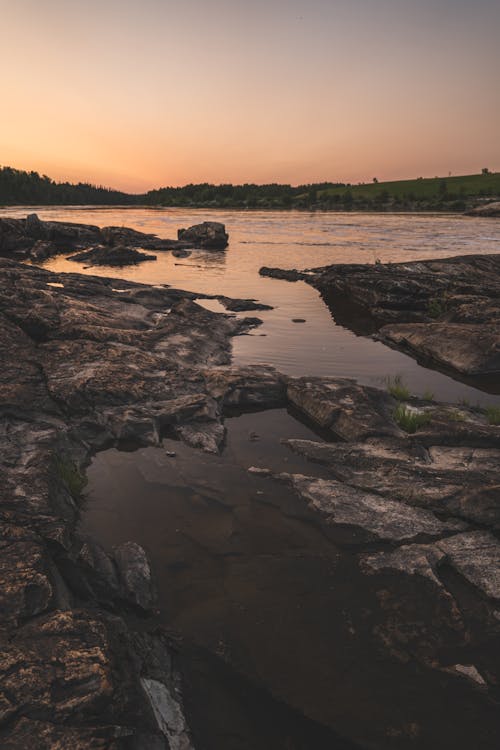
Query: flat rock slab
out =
(348, 410)
(370, 517)
(471, 349)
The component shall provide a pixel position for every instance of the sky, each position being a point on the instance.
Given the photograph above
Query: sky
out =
(138, 94)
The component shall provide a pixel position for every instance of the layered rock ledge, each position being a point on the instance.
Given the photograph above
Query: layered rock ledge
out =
(442, 311)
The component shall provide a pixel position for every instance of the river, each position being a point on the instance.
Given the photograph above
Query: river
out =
(296, 240)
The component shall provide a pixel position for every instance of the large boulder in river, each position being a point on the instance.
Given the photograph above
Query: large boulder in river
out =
(209, 234)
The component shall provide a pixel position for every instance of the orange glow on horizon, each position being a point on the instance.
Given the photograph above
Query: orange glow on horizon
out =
(137, 97)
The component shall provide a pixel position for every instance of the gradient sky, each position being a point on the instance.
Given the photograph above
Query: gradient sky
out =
(142, 93)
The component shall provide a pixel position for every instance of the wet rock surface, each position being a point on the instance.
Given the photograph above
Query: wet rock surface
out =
(118, 255)
(408, 558)
(84, 366)
(441, 311)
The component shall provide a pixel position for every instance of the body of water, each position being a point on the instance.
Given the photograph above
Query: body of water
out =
(296, 240)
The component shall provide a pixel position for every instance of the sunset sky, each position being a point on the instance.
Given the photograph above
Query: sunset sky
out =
(142, 93)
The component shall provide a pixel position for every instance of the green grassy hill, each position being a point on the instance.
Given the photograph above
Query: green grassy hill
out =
(434, 188)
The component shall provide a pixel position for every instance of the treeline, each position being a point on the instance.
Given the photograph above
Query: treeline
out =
(273, 195)
(29, 188)
(423, 194)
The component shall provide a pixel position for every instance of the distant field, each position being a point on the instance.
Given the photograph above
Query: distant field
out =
(425, 188)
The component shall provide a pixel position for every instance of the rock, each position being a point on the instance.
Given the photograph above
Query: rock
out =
(134, 574)
(84, 367)
(362, 517)
(344, 408)
(210, 235)
(168, 714)
(460, 481)
(469, 671)
(474, 555)
(443, 311)
(34, 227)
(117, 255)
(468, 349)
(125, 236)
(42, 250)
(299, 320)
(244, 387)
(23, 238)
(240, 305)
(178, 253)
(280, 273)
(488, 210)
(206, 436)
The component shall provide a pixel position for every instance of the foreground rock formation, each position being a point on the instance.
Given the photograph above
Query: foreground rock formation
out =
(441, 311)
(85, 365)
(38, 240)
(416, 517)
(91, 362)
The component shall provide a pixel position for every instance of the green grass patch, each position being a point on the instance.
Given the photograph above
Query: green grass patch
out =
(410, 420)
(397, 388)
(429, 188)
(456, 416)
(493, 414)
(428, 395)
(437, 307)
(74, 479)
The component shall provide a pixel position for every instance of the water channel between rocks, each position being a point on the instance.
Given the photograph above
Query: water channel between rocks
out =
(243, 570)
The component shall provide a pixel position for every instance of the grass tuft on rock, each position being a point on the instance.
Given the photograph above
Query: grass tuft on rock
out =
(493, 414)
(410, 420)
(397, 388)
(74, 479)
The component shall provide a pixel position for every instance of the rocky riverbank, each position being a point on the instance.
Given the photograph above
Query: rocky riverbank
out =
(445, 312)
(410, 501)
(38, 240)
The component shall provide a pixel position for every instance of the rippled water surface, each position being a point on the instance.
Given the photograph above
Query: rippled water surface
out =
(297, 240)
